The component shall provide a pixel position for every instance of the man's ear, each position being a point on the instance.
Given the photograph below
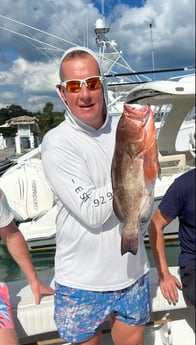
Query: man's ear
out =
(61, 92)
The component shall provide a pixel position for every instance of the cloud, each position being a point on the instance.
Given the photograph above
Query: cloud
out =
(33, 39)
(172, 33)
(7, 98)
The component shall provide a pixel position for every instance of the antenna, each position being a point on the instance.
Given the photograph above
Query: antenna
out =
(102, 8)
(152, 47)
(37, 30)
(114, 58)
(101, 30)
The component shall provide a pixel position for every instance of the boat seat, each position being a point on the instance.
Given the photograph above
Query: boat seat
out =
(172, 163)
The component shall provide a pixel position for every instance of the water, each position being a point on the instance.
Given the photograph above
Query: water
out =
(44, 262)
(10, 271)
(172, 253)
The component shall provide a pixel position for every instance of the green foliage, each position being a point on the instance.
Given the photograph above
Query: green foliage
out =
(47, 120)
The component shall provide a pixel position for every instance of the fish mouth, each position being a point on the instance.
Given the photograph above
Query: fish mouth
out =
(135, 119)
(132, 113)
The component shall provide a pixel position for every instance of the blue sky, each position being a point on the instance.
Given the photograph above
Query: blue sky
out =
(105, 7)
(33, 38)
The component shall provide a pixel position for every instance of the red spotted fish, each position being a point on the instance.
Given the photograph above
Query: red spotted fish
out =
(135, 167)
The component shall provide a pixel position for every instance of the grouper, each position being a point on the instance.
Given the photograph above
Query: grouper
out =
(135, 167)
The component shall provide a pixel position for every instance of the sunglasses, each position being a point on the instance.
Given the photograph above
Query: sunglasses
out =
(92, 83)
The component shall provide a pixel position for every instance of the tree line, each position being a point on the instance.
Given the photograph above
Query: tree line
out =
(47, 119)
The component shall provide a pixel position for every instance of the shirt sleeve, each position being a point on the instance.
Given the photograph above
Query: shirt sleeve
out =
(71, 181)
(6, 215)
(171, 202)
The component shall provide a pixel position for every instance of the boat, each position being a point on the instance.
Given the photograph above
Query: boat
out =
(31, 198)
(24, 183)
(34, 208)
(169, 324)
(5, 164)
(175, 100)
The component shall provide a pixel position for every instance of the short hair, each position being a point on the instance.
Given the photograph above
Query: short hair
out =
(72, 55)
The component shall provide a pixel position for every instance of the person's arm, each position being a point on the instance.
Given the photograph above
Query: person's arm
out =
(70, 179)
(169, 284)
(18, 249)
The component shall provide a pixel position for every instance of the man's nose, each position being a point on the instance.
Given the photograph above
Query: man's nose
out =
(84, 89)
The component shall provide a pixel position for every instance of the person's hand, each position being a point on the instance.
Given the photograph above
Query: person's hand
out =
(39, 289)
(169, 286)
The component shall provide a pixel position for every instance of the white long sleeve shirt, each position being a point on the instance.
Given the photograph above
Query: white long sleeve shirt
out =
(77, 164)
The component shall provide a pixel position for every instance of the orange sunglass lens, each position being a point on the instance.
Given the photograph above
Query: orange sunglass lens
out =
(73, 86)
(93, 83)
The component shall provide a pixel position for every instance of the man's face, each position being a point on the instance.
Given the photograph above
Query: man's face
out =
(86, 105)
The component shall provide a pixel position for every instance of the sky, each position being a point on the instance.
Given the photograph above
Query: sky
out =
(151, 34)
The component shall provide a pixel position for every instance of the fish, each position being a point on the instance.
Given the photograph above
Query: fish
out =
(135, 167)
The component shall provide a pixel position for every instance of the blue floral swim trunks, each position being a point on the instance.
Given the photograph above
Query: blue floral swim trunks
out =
(79, 314)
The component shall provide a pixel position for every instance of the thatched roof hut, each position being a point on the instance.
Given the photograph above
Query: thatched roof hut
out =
(24, 120)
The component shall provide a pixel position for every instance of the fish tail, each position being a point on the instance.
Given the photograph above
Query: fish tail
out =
(129, 244)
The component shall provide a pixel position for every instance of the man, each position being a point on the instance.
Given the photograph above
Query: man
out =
(93, 280)
(18, 249)
(179, 201)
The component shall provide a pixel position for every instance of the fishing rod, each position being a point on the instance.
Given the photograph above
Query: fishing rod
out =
(35, 29)
(180, 69)
(126, 83)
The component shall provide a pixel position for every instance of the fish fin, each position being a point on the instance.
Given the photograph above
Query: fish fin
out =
(117, 211)
(151, 166)
(150, 170)
(129, 244)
